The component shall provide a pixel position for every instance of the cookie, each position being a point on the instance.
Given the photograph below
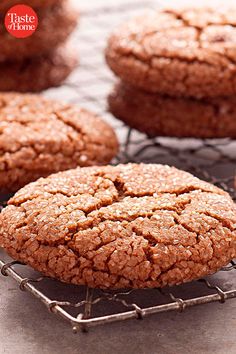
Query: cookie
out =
(129, 226)
(40, 136)
(55, 25)
(39, 73)
(162, 115)
(7, 4)
(179, 52)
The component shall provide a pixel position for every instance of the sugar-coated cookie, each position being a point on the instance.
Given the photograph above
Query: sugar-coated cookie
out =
(40, 136)
(129, 226)
(179, 52)
(162, 115)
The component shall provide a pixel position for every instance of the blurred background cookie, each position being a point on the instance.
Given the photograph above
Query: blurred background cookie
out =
(40, 136)
(44, 59)
(38, 73)
(56, 23)
(7, 4)
(162, 115)
(179, 52)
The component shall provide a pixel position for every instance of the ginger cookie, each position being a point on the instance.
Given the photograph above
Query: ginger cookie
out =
(39, 73)
(38, 4)
(162, 115)
(56, 23)
(129, 226)
(40, 136)
(179, 52)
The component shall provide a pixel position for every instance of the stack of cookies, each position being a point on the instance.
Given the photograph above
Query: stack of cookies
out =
(178, 72)
(43, 59)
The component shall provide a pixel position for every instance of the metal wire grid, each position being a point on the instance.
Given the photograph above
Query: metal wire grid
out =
(212, 160)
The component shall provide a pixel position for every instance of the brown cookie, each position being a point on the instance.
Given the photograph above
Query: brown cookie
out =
(179, 52)
(40, 136)
(7, 4)
(55, 25)
(39, 73)
(129, 226)
(161, 115)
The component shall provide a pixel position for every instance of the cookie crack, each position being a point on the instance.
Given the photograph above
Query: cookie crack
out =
(147, 251)
(186, 60)
(74, 127)
(186, 23)
(221, 220)
(86, 138)
(129, 219)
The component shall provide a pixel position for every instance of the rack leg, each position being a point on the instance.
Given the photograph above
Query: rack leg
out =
(88, 303)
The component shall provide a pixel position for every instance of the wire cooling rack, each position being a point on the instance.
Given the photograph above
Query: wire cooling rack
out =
(212, 160)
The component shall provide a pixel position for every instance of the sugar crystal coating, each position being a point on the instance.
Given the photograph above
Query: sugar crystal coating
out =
(180, 52)
(40, 136)
(129, 226)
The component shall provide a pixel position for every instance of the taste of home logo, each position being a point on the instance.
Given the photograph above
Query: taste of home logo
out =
(21, 21)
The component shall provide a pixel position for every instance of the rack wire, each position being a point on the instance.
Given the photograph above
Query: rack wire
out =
(212, 160)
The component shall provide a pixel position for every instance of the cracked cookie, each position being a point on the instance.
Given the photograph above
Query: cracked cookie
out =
(162, 115)
(55, 25)
(179, 52)
(129, 226)
(38, 73)
(40, 136)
